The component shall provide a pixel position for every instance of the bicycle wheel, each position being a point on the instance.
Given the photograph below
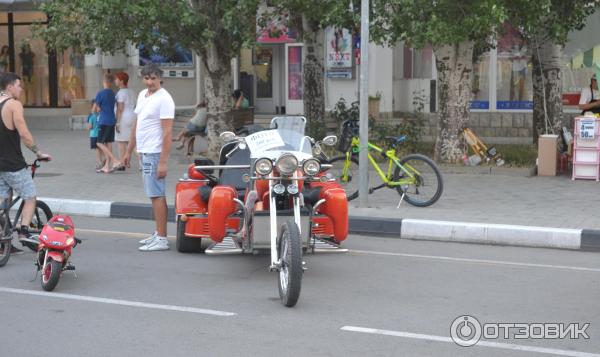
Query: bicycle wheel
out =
(5, 238)
(349, 179)
(41, 216)
(427, 186)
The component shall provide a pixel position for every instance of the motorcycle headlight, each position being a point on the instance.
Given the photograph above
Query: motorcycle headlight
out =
(311, 167)
(263, 166)
(287, 164)
(279, 189)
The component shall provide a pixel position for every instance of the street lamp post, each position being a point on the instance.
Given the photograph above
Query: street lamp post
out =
(363, 167)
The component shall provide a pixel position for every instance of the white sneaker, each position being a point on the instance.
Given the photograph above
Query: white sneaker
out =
(149, 239)
(157, 244)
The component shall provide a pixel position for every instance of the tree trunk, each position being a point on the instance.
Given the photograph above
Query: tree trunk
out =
(217, 90)
(547, 89)
(314, 83)
(454, 66)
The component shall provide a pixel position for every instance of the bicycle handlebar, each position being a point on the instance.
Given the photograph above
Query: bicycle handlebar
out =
(37, 161)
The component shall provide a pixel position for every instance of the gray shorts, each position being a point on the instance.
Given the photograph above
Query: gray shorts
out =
(19, 181)
(153, 186)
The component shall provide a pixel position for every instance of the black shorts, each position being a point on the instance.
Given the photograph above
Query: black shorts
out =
(106, 134)
(93, 143)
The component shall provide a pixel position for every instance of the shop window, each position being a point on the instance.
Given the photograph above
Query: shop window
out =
(480, 85)
(31, 60)
(4, 50)
(514, 86)
(70, 77)
(581, 53)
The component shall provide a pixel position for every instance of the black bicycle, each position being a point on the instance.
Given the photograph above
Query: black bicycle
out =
(7, 226)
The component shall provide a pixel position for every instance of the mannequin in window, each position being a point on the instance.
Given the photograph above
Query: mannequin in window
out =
(589, 100)
(4, 59)
(27, 57)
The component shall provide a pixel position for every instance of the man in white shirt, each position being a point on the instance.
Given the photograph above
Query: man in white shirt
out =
(152, 132)
(589, 101)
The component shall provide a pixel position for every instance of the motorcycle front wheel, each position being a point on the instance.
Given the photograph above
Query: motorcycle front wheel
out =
(290, 273)
(50, 274)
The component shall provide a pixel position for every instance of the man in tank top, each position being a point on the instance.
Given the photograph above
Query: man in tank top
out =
(13, 168)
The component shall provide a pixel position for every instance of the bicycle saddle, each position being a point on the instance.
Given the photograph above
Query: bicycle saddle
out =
(395, 140)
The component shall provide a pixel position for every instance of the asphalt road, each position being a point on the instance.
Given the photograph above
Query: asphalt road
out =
(127, 303)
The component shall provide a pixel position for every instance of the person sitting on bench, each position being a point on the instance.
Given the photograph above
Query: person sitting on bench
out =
(195, 126)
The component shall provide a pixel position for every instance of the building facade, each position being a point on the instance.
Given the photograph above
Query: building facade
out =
(270, 74)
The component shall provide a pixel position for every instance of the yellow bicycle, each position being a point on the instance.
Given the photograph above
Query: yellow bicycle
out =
(416, 177)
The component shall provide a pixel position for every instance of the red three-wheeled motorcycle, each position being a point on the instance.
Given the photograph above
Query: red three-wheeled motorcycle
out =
(271, 194)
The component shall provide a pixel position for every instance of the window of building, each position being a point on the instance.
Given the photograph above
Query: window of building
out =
(422, 61)
(48, 79)
(417, 63)
(70, 77)
(480, 84)
(514, 68)
(580, 56)
(31, 63)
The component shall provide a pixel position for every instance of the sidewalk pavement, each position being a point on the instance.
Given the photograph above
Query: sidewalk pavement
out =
(479, 205)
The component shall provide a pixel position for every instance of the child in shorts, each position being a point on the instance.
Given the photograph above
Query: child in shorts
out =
(93, 127)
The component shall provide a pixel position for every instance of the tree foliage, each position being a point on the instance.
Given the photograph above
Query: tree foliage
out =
(548, 20)
(111, 24)
(422, 22)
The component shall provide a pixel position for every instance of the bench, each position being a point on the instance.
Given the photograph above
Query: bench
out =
(241, 117)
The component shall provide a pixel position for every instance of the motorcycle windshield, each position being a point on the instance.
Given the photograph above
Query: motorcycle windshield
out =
(273, 143)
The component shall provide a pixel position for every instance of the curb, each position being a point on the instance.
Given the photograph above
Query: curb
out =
(414, 229)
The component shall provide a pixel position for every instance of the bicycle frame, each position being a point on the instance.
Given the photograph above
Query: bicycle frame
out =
(14, 201)
(392, 159)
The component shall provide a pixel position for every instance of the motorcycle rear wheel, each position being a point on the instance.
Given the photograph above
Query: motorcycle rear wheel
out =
(51, 274)
(290, 273)
(185, 244)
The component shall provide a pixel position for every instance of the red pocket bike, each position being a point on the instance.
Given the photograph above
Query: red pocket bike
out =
(271, 195)
(57, 241)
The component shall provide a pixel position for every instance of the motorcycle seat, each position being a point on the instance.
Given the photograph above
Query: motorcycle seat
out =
(231, 177)
(311, 195)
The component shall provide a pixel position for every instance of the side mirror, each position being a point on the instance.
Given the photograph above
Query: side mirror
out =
(330, 140)
(227, 136)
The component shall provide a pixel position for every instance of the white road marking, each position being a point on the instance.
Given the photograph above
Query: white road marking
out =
(117, 302)
(406, 255)
(477, 261)
(131, 234)
(506, 346)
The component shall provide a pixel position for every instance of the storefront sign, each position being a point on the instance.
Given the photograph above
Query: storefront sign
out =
(514, 104)
(343, 73)
(339, 48)
(587, 128)
(480, 104)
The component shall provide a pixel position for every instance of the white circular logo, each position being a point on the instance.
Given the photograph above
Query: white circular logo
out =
(465, 331)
